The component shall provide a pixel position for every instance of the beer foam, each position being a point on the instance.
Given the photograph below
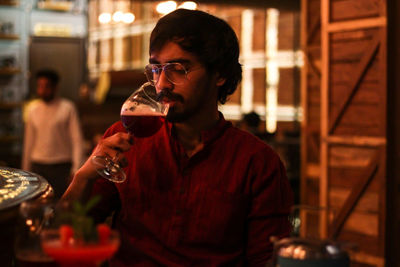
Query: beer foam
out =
(141, 110)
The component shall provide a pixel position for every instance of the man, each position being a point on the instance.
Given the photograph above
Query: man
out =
(199, 191)
(53, 145)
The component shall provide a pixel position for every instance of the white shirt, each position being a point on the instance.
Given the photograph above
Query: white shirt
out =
(52, 134)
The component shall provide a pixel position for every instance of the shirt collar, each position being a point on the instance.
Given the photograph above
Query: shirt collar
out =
(208, 136)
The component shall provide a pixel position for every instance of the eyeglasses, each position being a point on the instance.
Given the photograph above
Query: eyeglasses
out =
(175, 72)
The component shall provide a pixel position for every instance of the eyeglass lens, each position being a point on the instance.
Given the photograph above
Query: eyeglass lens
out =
(175, 72)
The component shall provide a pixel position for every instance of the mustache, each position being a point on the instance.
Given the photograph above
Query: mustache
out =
(168, 95)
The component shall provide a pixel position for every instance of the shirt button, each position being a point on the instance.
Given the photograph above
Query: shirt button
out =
(181, 190)
(178, 212)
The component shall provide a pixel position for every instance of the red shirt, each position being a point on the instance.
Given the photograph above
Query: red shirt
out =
(216, 208)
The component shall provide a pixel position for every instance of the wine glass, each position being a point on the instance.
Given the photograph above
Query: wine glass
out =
(34, 216)
(72, 238)
(141, 116)
(74, 252)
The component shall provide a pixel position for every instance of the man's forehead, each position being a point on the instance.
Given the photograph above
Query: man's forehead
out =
(171, 52)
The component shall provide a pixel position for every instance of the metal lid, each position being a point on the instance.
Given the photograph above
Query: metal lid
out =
(17, 186)
(300, 248)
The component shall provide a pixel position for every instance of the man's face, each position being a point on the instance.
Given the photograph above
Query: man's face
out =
(45, 89)
(195, 95)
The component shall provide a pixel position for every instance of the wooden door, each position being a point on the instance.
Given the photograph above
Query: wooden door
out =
(66, 56)
(350, 170)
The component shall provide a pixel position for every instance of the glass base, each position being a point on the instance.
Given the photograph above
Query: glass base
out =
(109, 169)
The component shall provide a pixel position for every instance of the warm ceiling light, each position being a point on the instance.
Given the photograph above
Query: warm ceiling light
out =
(188, 5)
(104, 18)
(117, 16)
(166, 7)
(128, 17)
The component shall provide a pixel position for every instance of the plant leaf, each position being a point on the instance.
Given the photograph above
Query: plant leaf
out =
(91, 203)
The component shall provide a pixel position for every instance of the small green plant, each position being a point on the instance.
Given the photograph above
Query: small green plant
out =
(83, 227)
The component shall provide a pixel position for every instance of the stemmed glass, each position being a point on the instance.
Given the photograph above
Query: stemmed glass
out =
(141, 116)
(74, 252)
(34, 216)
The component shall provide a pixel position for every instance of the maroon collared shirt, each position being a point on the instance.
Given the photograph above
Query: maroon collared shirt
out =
(217, 208)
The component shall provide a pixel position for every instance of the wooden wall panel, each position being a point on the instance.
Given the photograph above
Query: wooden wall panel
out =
(310, 95)
(353, 96)
(348, 51)
(106, 58)
(344, 94)
(259, 86)
(287, 36)
(354, 9)
(286, 87)
(136, 48)
(259, 26)
(236, 24)
(127, 52)
(235, 97)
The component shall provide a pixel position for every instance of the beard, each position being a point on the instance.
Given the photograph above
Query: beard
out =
(47, 99)
(185, 110)
(175, 116)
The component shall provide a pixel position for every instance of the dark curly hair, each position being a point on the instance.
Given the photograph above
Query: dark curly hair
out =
(211, 39)
(49, 74)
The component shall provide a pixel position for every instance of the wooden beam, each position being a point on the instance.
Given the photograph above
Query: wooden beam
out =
(360, 72)
(314, 141)
(310, 62)
(313, 171)
(357, 24)
(323, 184)
(355, 195)
(357, 140)
(304, 96)
(314, 30)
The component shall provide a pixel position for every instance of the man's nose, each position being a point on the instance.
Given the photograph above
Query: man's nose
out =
(163, 82)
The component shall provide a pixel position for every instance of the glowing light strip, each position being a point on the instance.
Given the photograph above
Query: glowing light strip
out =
(283, 112)
(246, 50)
(272, 69)
(122, 31)
(284, 59)
(118, 56)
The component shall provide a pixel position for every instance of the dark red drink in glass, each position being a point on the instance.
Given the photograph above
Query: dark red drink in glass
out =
(142, 125)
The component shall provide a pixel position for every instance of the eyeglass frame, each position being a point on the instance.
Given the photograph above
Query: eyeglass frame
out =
(162, 67)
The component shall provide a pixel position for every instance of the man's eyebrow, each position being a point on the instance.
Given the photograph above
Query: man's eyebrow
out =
(175, 60)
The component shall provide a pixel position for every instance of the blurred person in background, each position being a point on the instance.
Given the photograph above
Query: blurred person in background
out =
(53, 142)
(251, 122)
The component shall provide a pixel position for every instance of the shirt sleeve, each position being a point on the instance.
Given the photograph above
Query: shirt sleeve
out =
(29, 137)
(272, 199)
(107, 190)
(76, 139)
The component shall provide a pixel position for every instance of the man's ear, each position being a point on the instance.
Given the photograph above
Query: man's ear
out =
(220, 81)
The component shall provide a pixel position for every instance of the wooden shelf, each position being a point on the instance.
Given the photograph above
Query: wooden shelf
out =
(9, 71)
(59, 6)
(9, 36)
(10, 105)
(9, 3)
(10, 138)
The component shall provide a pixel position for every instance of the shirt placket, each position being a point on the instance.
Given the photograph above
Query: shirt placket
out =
(178, 216)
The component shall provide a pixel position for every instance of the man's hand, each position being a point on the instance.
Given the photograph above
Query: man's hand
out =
(111, 147)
